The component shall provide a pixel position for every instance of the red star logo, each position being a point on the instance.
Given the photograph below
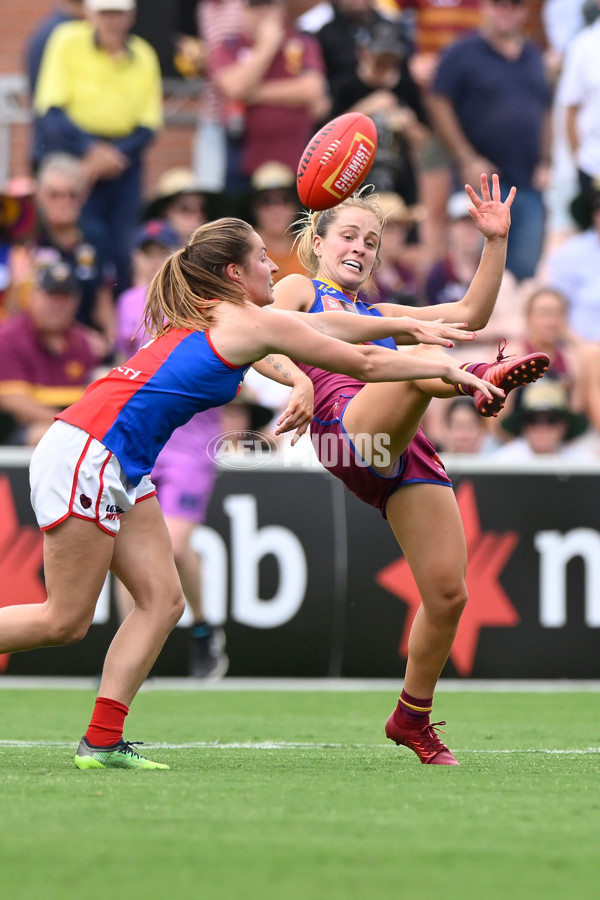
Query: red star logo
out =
(488, 603)
(21, 550)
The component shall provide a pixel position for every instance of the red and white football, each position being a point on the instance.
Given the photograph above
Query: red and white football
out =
(336, 161)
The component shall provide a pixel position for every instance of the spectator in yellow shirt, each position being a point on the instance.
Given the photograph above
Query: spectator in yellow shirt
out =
(99, 97)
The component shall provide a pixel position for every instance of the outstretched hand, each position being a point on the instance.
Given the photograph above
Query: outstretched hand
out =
(438, 331)
(490, 214)
(456, 375)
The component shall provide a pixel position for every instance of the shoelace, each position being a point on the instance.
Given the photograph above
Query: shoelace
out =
(127, 748)
(502, 345)
(428, 741)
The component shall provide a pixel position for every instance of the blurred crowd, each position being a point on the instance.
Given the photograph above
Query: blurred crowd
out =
(455, 88)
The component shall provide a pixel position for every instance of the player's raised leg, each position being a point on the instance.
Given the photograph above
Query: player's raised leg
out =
(395, 409)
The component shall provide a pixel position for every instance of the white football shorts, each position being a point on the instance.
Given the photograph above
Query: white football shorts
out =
(72, 474)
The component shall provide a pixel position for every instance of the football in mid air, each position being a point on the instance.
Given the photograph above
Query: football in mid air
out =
(336, 161)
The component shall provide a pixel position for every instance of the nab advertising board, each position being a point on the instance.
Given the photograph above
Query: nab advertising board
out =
(309, 581)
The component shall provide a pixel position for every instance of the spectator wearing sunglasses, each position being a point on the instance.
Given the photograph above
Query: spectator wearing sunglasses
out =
(179, 200)
(544, 425)
(63, 234)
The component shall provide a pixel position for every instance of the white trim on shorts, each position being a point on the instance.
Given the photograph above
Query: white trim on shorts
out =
(73, 474)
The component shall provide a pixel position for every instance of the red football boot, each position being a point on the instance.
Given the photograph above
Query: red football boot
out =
(507, 373)
(422, 739)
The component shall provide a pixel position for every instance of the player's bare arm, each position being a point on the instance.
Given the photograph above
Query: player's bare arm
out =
(296, 294)
(491, 215)
(404, 330)
(299, 409)
(256, 332)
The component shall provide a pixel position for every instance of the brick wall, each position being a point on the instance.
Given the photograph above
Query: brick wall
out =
(17, 21)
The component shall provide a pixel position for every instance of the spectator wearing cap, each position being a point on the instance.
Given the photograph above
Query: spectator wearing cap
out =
(573, 267)
(491, 105)
(382, 87)
(154, 240)
(274, 208)
(47, 358)
(339, 39)
(398, 274)
(99, 97)
(179, 200)
(544, 425)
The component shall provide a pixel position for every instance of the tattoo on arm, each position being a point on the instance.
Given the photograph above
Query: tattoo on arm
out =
(278, 367)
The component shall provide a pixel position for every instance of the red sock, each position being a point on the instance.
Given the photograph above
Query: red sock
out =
(414, 709)
(106, 725)
(475, 369)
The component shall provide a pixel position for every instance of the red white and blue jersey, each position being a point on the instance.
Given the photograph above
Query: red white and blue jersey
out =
(330, 298)
(135, 408)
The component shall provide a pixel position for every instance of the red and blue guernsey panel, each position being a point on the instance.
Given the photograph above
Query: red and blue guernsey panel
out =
(134, 409)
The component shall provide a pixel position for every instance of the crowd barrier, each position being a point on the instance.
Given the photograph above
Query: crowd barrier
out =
(308, 581)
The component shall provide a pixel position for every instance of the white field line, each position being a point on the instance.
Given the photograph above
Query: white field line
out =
(307, 684)
(292, 745)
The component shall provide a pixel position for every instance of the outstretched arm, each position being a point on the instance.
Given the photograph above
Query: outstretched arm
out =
(296, 294)
(492, 218)
(404, 329)
(254, 333)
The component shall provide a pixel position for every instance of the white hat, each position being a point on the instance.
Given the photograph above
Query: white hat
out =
(395, 209)
(273, 175)
(458, 206)
(175, 181)
(110, 5)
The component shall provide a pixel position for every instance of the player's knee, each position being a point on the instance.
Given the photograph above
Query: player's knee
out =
(456, 603)
(68, 632)
(166, 608)
(451, 603)
(174, 609)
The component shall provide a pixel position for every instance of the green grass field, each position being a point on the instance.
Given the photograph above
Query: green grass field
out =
(297, 795)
